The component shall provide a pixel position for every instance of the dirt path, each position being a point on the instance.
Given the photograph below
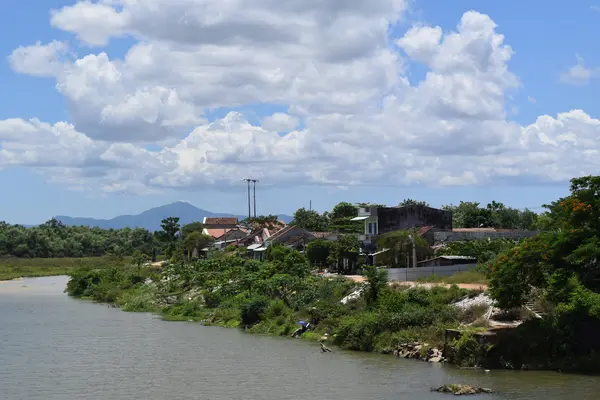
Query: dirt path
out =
(469, 286)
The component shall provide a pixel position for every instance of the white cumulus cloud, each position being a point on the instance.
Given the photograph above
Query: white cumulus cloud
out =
(351, 114)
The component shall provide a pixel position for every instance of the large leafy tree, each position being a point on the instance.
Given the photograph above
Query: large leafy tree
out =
(54, 239)
(196, 240)
(469, 214)
(192, 227)
(399, 246)
(317, 251)
(564, 262)
(170, 227)
(263, 221)
(411, 202)
(484, 250)
(347, 247)
(341, 218)
(310, 220)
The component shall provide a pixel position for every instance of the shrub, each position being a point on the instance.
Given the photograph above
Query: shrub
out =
(276, 308)
(252, 309)
(357, 332)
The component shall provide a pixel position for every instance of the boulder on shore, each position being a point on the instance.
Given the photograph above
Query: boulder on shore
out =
(459, 390)
(417, 351)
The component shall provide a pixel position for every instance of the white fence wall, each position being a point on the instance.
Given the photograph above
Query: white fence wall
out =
(412, 274)
(443, 237)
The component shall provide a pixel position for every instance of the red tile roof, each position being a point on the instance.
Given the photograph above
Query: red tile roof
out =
(423, 230)
(220, 221)
(216, 233)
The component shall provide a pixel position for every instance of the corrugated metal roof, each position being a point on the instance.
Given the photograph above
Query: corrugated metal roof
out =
(457, 257)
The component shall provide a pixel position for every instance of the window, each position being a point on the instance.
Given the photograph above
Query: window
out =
(370, 228)
(375, 228)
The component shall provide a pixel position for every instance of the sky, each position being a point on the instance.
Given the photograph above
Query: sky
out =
(112, 107)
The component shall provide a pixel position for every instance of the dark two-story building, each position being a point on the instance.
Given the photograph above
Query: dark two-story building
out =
(381, 220)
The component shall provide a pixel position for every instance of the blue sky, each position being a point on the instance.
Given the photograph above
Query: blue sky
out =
(544, 35)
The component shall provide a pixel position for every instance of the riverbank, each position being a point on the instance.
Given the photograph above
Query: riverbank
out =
(271, 298)
(14, 268)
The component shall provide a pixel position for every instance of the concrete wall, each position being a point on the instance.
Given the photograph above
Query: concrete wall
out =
(412, 274)
(441, 237)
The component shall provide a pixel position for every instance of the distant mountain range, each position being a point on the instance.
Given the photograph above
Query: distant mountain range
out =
(151, 218)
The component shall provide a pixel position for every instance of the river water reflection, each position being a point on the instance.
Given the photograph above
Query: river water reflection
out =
(54, 347)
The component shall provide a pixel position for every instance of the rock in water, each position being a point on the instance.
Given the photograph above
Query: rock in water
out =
(325, 349)
(459, 390)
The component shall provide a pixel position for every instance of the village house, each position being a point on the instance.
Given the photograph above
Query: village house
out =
(381, 220)
(290, 236)
(218, 226)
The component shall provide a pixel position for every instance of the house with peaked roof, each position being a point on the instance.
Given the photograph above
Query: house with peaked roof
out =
(290, 236)
(218, 226)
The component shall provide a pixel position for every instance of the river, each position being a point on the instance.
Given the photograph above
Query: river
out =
(53, 347)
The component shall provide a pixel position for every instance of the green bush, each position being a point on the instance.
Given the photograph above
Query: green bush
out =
(252, 309)
(357, 332)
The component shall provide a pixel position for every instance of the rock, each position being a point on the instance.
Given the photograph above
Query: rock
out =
(325, 349)
(460, 390)
(414, 351)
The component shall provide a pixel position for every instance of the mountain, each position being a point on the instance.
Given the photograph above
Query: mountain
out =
(151, 218)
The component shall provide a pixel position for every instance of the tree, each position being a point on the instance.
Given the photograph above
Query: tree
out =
(170, 228)
(528, 220)
(495, 215)
(468, 215)
(347, 247)
(263, 221)
(411, 202)
(196, 240)
(483, 250)
(310, 220)
(399, 244)
(562, 261)
(54, 239)
(341, 218)
(192, 227)
(295, 264)
(317, 251)
(139, 258)
(377, 280)
(375, 205)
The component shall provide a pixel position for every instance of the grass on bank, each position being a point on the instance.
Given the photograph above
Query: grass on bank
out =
(13, 268)
(271, 303)
(474, 277)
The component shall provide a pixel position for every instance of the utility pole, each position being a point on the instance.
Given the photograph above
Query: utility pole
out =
(248, 180)
(254, 184)
(310, 205)
(412, 238)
